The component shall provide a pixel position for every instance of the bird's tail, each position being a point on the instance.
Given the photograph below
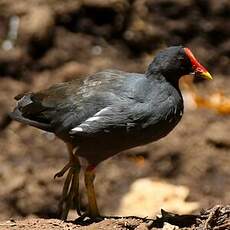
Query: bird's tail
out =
(19, 115)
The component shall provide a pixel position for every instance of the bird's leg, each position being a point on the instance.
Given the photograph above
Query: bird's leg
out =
(70, 192)
(92, 203)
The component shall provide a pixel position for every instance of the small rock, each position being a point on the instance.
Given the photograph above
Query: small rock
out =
(168, 226)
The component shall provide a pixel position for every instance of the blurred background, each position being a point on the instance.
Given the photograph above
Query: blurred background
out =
(47, 41)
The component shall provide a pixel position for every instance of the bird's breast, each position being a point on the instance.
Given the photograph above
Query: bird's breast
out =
(165, 117)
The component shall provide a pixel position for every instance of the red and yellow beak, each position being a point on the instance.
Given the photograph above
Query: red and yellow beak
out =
(197, 67)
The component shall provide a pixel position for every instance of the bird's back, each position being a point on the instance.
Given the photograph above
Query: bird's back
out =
(69, 103)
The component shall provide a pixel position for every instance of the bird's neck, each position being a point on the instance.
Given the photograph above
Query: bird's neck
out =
(156, 75)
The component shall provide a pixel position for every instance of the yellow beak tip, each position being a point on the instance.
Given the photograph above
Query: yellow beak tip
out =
(206, 75)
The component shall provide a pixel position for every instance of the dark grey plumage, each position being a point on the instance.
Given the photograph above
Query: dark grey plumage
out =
(112, 110)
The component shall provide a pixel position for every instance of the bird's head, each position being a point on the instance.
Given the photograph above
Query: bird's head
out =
(176, 61)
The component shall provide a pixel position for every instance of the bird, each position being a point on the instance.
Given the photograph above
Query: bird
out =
(106, 113)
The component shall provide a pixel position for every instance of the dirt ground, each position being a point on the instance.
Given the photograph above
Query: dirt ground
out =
(215, 218)
(44, 42)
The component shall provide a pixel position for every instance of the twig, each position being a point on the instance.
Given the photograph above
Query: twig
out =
(210, 217)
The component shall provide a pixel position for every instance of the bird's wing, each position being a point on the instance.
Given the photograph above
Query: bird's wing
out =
(122, 118)
(127, 117)
(66, 105)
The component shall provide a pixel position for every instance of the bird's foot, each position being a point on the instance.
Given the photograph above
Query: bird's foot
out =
(70, 192)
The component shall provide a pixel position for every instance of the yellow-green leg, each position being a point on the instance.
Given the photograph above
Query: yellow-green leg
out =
(92, 203)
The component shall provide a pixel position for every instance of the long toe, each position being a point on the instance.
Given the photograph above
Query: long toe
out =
(63, 209)
(70, 193)
(63, 171)
(76, 196)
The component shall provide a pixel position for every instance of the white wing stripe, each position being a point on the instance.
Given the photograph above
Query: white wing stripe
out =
(76, 129)
(95, 117)
(101, 111)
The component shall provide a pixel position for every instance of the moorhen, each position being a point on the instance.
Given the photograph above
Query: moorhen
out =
(108, 112)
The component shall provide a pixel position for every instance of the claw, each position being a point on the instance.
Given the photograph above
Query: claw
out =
(76, 200)
(63, 171)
